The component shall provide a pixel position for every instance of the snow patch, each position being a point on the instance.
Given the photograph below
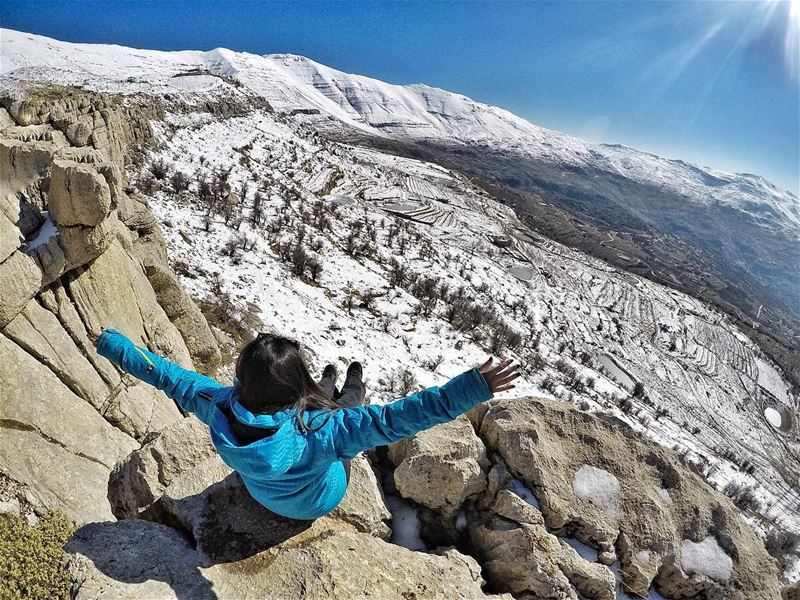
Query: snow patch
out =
(599, 487)
(773, 417)
(706, 558)
(405, 524)
(586, 552)
(46, 231)
(461, 521)
(521, 490)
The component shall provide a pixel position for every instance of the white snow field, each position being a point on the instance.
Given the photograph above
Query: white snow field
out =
(584, 331)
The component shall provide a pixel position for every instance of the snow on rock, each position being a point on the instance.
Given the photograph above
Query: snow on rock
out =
(706, 558)
(46, 231)
(405, 524)
(585, 551)
(521, 490)
(599, 487)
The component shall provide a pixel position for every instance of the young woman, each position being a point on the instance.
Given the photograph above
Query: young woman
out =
(289, 437)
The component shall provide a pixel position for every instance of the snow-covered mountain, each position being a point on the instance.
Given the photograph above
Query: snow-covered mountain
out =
(295, 83)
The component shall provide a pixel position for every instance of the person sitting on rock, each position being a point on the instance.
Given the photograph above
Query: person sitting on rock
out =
(289, 437)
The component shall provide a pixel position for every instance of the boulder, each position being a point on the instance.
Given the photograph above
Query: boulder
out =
(623, 494)
(520, 556)
(5, 119)
(139, 559)
(440, 467)
(143, 477)
(78, 195)
(79, 132)
(81, 244)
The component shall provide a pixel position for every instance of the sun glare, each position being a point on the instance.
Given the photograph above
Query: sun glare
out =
(783, 16)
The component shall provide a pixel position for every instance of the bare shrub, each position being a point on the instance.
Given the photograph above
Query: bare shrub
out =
(314, 267)
(566, 369)
(742, 495)
(159, 169)
(433, 363)
(179, 182)
(783, 545)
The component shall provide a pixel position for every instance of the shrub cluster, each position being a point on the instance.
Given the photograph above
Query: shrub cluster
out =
(743, 496)
(32, 557)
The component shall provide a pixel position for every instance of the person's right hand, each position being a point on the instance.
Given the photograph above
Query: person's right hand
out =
(94, 336)
(500, 376)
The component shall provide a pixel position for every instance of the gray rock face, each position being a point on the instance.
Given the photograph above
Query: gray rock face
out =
(20, 279)
(570, 460)
(517, 550)
(139, 559)
(67, 416)
(53, 440)
(441, 467)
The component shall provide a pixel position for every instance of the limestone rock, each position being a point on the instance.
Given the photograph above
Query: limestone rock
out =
(363, 505)
(791, 591)
(115, 293)
(186, 316)
(130, 405)
(10, 237)
(138, 559)
(79, 132)
(440, 467)
(36, 133)
(20, 279)
(54, 441)
(547, 444)
(79, 195)
(521, 556)
(141, 479)
(81, 244)
(38, 331)
(5, 119)
(24, 167)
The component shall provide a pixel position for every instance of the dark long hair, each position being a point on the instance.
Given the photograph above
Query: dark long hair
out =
(273, 376)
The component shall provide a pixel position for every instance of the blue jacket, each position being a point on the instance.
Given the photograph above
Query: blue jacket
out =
(298, 475)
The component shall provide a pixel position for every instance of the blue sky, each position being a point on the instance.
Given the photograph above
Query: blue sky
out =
(708, 81)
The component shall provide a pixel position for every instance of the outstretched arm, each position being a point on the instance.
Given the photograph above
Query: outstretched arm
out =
(351, 430)
(178, 383)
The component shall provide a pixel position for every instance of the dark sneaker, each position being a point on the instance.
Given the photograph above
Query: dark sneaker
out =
(355, 370)
(329, 372)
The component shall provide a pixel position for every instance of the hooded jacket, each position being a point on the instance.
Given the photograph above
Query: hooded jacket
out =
(296, 474)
